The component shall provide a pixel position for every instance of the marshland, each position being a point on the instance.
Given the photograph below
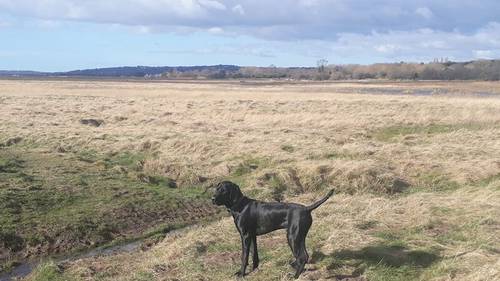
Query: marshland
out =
(92, 163)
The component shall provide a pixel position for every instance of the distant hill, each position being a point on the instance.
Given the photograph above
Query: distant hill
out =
(438, 70)
(16, 73)
(142, 71)
(124, 71)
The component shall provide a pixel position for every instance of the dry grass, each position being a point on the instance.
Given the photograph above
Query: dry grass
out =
(294, 140)
(352, 236)
(208, 129)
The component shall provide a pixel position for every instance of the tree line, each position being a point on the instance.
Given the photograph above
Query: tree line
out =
(472, 70)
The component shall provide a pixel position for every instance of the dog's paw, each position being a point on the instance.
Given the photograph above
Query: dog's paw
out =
(239, 274)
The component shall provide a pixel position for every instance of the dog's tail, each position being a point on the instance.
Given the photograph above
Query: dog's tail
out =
(317, 204)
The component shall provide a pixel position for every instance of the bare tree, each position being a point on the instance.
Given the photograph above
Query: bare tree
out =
(322, 63)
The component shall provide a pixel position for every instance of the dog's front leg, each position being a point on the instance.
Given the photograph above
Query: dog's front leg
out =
(245, 249)
(255, 254)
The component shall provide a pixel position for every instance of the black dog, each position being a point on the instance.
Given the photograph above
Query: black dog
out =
(253, 218)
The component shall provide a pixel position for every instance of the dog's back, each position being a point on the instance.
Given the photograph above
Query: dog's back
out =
(270, 216)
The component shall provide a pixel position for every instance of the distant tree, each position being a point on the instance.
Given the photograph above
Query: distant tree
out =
(322, 63)
(221, 74)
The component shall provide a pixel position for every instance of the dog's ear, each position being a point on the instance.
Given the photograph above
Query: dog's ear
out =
(235, 194)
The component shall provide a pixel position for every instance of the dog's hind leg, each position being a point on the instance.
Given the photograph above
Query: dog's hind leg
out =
(302, 258)
(291, 238)
(300, 246)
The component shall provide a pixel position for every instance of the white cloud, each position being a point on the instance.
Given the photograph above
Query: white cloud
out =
(388, 48)
(239, 9)
(483, 54)
(386, 30)
(423, 44)
(290, 19)
(216, 30)
(420, 45)
(435, 44)
(254, 50)
(212, 4)
(486, 54)
(424, 12)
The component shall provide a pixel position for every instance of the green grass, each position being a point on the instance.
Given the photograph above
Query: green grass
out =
(433, 181)
(248, 165)
(388, 134)
(79, 199)
(367, 224)
(223, 247)
(126, 158)
(10, 165)
(277, 187)
(288, 148)
(338, 155)
(89, 156)
(143, 276)
(488, 180)
(436, 181)
(48, 271)
(390, 273)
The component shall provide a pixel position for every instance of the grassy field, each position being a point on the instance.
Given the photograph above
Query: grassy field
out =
(416, 166)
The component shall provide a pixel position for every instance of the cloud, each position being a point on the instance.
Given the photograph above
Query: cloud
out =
(252, 50)
(388, 48)
(483, 54)
(375, 29)
(211, 4)
(239, 9)
(424, 12)
(285, 19)
(216, 30)
(421, 44)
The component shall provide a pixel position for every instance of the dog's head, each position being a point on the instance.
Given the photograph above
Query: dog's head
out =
(227, 194)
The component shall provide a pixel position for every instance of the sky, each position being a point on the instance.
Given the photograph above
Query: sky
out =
(60, 35)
